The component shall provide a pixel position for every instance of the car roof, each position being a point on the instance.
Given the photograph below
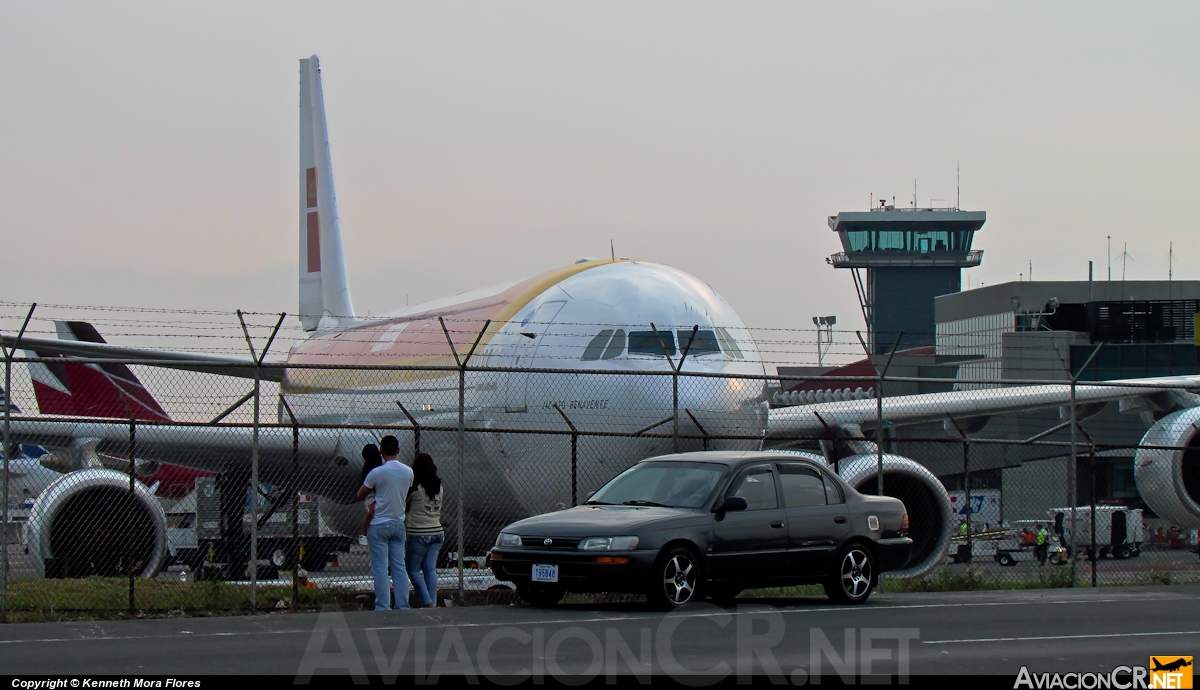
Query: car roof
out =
(731, 458)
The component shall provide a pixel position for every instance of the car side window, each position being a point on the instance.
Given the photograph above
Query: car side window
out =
(833, 492)
(757, 486)
(802, 486)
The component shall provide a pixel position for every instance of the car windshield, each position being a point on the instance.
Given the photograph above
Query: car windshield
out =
(671, 484)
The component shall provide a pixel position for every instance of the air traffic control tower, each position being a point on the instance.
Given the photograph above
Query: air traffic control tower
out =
(911, 255)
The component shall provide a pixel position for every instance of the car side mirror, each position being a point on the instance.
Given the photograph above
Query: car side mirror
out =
(731, 503)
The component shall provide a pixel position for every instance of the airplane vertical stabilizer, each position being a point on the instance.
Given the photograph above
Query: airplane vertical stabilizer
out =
(324, 288)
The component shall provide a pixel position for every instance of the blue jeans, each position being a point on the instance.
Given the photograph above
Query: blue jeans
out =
(422, 556)
(386, 542)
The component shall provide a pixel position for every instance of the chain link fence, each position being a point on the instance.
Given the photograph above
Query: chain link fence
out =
(134, 488)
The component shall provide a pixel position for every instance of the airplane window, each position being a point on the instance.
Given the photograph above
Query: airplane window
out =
(802, 486)
(728, 344)
(616, 346)
(594, 348)
(758, 488)
(647, 343)
(704, 343)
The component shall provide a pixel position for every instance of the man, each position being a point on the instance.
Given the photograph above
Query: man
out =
(386, 535)
(1042, 547)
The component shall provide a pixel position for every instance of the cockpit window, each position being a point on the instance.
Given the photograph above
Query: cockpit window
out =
(616, 346)
(648, 343)
(728, 344)
(703, 343)
(596, 347)
(606, 345)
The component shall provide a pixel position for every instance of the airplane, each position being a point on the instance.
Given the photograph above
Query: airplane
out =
(596, 340)
(107, 391)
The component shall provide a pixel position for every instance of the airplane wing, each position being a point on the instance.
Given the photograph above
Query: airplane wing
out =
(208, 364)
(818, 419)
(328, 460)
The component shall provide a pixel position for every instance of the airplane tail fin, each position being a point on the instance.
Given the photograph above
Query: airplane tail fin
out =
(110, 391)
(324, 288)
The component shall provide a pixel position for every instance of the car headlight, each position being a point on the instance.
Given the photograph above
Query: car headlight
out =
(506, 539)
(608, 544)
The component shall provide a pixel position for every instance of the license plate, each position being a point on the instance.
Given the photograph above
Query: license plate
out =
(545, 573)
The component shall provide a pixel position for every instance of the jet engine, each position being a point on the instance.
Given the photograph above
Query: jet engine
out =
(1169, 480)
(930, 517)
(87, 523)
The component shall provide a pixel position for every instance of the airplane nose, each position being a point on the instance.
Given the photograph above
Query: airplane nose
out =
(719, 407)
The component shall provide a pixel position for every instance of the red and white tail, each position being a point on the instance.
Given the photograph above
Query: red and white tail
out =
(109, 391)
(324, 288)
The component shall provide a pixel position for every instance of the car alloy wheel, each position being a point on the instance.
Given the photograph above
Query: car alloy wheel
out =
(854, 577)
(677, 581)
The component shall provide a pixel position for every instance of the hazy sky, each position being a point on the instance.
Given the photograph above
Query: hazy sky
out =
(149, 149)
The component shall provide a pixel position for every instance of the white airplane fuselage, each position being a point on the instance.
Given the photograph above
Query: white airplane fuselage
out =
(591, 323)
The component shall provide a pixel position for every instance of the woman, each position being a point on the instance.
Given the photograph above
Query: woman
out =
(371, 459)
(423, 520)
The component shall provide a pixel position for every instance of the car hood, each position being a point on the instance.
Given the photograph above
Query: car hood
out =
(594, 521)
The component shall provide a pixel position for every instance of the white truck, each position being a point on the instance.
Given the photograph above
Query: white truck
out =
(1120, 531)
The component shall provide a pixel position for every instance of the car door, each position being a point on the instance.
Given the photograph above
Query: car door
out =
(751, 544)
(816, 515)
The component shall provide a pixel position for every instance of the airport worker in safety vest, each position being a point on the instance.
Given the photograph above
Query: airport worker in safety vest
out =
(1041, 547)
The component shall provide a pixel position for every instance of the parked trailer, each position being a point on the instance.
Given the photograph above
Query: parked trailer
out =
(1013, 549)
(318, 543)
(1120, 531)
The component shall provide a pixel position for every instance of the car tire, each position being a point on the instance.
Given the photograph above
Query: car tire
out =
(853, 575)
(676, 580)
(540, 595)
(1122, 552)
(1007, 560)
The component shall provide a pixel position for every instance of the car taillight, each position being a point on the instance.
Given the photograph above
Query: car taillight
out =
(904, 524)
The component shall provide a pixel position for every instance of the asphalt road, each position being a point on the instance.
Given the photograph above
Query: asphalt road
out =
(975, 632)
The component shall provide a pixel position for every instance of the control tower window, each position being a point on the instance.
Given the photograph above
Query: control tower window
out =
(728, 344)
(648, 343)
(704, 343)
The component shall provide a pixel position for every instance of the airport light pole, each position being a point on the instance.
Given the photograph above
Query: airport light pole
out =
(8, 355)
(824, 326)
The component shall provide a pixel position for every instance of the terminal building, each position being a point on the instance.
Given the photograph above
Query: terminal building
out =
(997, 335)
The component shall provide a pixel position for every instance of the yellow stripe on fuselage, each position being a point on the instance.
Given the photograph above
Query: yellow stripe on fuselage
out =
(305, 380)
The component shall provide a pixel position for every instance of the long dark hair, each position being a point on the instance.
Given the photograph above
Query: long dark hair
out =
(425, 475)
(371, 459)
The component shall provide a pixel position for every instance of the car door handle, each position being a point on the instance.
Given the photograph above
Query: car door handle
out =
(778, 524)
(841, 519)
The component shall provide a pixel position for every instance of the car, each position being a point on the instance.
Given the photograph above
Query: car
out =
(679, 528)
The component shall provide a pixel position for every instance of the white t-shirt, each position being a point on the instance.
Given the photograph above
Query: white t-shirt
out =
(390, 481)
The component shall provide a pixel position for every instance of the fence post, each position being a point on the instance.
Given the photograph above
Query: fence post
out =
(574, 452)
(294, 487)
(416, 429)
(674, 379)
(1092, 464)
(129, 511)
(1072, 482)
(8, 354)
(462, 466)
(966, 445)
(879, 375)
(254, 492)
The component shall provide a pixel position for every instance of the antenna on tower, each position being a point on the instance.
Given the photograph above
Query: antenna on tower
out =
(1124, 257)
(914, 192)
(957, 186)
